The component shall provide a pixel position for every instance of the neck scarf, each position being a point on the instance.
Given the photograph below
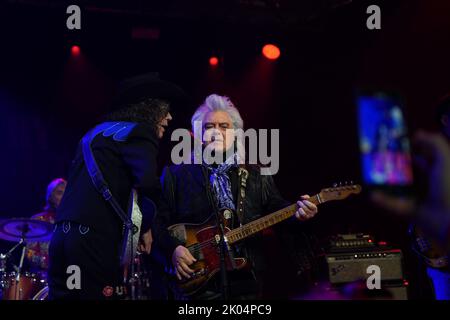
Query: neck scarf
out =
(220, 181)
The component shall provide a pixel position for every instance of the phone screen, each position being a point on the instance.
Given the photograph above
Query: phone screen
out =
(384, 143)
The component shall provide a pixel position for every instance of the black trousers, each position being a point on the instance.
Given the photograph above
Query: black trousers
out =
(96, 256)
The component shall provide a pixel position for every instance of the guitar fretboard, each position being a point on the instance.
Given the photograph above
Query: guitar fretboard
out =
(266, 221)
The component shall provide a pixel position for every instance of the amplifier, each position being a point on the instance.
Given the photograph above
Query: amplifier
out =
(352, 266)
(346, 242)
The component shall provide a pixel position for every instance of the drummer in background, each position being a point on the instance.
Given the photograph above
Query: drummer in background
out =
(37, 252)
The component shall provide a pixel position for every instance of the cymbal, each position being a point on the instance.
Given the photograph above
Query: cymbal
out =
(29, 229)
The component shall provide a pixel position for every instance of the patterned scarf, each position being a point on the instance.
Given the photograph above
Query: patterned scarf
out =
(220, 181)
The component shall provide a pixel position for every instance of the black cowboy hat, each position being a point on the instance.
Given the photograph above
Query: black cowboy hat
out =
(136, 89)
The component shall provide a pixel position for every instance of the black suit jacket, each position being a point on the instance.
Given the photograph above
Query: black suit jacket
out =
(125, 165)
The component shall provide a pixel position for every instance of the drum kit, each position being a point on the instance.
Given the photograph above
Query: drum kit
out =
(18, 283)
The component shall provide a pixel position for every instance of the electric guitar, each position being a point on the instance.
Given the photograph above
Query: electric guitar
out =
(131, 236)
(202, 240)
(130, 257)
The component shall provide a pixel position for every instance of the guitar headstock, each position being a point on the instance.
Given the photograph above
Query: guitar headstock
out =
(339, 192)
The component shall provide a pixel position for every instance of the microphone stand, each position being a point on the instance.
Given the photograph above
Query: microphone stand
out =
(222, 245)
(223, 266)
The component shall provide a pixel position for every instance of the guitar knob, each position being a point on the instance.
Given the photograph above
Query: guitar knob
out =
(227, 214)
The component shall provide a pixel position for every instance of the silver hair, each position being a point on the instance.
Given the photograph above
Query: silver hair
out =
(215, 102)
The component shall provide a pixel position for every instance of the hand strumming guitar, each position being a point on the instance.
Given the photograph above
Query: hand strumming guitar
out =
(181, 260)
(146, 240)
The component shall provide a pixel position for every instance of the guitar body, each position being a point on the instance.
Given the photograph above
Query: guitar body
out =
(201, 240)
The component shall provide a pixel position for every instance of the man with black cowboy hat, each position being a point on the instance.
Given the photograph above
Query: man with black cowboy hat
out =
(120, 155)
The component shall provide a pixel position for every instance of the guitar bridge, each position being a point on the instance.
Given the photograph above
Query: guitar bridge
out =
(200, 272)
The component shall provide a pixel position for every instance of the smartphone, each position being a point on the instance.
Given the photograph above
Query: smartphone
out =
(383, 141)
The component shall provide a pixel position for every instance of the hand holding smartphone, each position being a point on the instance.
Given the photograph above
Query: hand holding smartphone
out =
(384, 142)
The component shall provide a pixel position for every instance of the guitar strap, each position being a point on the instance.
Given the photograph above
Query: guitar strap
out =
(243, 175)
(99, 181)
(100, 184)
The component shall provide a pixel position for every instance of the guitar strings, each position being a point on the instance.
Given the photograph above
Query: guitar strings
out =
(195, 248)
(198, 246)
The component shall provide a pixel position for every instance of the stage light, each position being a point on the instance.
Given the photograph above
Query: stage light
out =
(271, 52)
(213, 61)
(75, 50)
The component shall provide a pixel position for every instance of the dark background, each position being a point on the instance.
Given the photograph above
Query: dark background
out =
(49, 98)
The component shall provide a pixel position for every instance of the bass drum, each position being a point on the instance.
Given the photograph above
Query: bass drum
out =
(23, 286)
(42, 294)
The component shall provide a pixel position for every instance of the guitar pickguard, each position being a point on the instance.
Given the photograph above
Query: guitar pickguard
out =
(200, 239)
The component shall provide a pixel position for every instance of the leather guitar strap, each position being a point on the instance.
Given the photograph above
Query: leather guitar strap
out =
(243, 175)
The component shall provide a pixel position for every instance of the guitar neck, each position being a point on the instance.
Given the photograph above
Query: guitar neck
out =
(267, 221)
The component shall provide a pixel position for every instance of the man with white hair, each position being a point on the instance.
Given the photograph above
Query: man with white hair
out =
(195, 191)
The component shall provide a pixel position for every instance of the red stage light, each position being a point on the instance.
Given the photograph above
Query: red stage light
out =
(75, 50)
(213, 61)
(271, 52)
